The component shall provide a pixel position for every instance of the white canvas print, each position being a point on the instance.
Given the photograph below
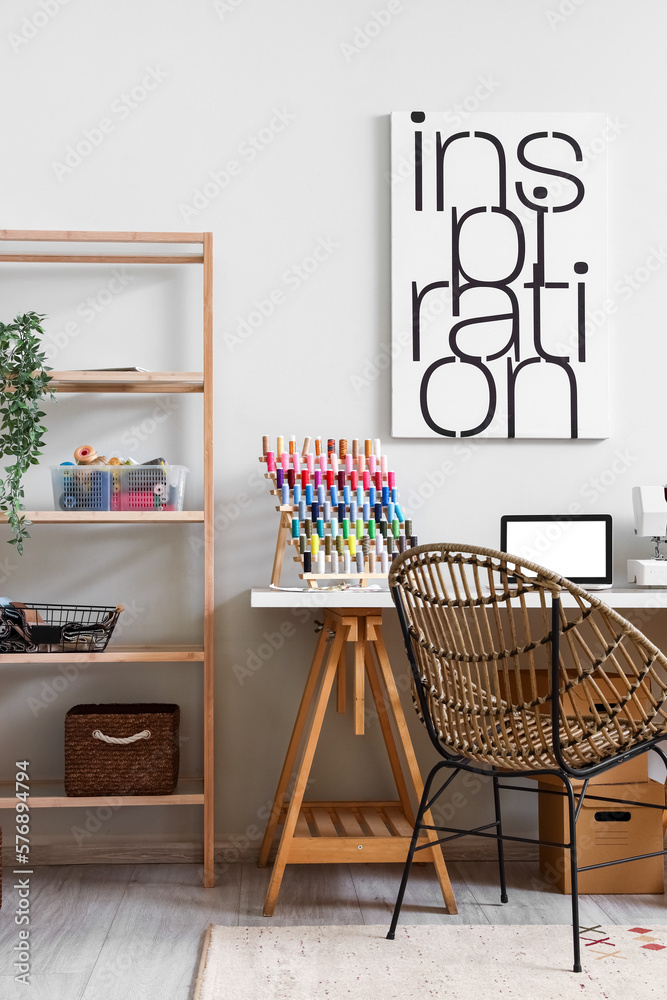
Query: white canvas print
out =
(499, 275)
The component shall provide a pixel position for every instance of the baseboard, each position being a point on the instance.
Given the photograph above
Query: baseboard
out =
(226, 853)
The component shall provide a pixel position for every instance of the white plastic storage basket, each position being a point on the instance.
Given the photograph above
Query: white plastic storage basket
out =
(118, 487)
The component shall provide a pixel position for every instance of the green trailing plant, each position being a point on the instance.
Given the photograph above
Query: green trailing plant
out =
(23, 386)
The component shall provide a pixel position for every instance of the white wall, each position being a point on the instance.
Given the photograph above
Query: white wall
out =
(288, 72)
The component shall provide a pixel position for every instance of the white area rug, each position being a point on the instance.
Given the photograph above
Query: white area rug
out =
(452, 963)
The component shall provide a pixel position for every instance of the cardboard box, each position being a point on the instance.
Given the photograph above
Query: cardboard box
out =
(606, 831)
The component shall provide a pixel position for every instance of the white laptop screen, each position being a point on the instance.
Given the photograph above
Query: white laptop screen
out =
(578, 546)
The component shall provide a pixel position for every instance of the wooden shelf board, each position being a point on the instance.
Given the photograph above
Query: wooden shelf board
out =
(114, 654)
(84, 236)
(110, 516)
(100, 258)
(51, 795)
(90, 381)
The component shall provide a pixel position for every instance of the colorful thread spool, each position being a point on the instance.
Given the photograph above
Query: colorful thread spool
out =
(309, 494)
(331, 445)
(315, 510)
(280, 445)
(341, 509)
(366, 479)
(305, 478)
(371, 464)
(333, 527)
(384, 562)
(284, 498)
(346, 527)
(330, 478)
(348, 464)
(270, 461)
(326, 510)
(320, 494)
(318, 446)
(308, 526)
(306, 562)
(327, 545)
(347, 569)
(342, 448)
(302, 544)
(297, 493)
(408, 526)
(296, 462)
(396, 528)
(334, 496)
(314, 544)
(359, 528)
(371, 527)
(292, 445)
(317, 477)
(401, 543)
(334, 562)
(302, 510)
(291, 479)
(361, 464)
(368, 447)
(355, 447)
(399, 513)
(385, 496)
(360, 561)
(383, 528)
(391, 480)
(320, 527)
(310, 462)
(383, 465)
(279, 478)
(360, 496)
(352, 545)
(341, 479)
(378, 512)
(372, 496)
(354, 480)
(367, 511)
(346, 495)
(295, 527)
(353, 510)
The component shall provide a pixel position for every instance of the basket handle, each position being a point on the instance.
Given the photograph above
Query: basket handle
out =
(121, 740)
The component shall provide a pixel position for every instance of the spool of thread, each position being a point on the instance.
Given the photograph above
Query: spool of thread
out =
(306, 447)
(327, 545)
(302, 544)
(340, 545)
(368, 447)
(310, 462)
(384, 562)
(390, 544)
(280, 445)
(85, 454)
(342, 448)
(334, 562)
(360, 561)
(314, 544)
(352, 545)
(408, 526)
(326, 510)
(295, 527)
(320, 527)
(385, 496)
(414, 541)
(321, 493)
(331, 446)
(367, 479)
(378, 512)
(353, 510)
(367, 511)
(371, 464)
(399, 513)
(334, 496)
(291, 478)
(383, 528)
(355, 447)
(401, 543)
(378, 543)
(359, 528)
(371, 527)
(378, 481)
(270, 461)
(333, 458)
(323, 463)
(330, 478)
(305, 478)
(383, 465)
(297, 493)
(346, 527)
(284, 460)
(391, 512)
(371, 562)
(361, 464)
(342, 506)
(347, 568)
(341, 479)
(391, 480)
(346, 495)
(395, 528)
(308, 526)
(360, 496)
(279, 478)
(394, 494)
(309, 494)
(318, 446)
(296, 462)
(302, 510)
(265, 445)
(284, 500)
(314, 510)
(372, 496)
(349, 464)
(292, 444)
(365, 545)
(306, 562)
(354, 480)
(333, 527)
(317, 477)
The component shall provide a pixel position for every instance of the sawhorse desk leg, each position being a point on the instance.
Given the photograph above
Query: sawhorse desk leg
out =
(345, 832)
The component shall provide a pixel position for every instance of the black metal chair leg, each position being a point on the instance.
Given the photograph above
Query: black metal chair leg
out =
(411, 853)
(573, 876)
(501, 849)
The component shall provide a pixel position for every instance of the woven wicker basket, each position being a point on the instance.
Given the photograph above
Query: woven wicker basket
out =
(121, 749)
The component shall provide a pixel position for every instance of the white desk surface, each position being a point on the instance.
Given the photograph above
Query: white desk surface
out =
(266, 597)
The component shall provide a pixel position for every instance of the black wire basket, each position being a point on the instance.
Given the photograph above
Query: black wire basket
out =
(56, 628)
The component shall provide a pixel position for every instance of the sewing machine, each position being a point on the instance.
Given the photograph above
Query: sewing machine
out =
(649, 504)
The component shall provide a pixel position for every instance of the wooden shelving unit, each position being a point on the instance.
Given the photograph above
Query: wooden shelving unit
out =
(190, 791)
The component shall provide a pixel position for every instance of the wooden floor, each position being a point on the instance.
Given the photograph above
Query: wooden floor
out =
(124, 932)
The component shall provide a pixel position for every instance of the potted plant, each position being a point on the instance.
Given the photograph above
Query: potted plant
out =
(23, 385)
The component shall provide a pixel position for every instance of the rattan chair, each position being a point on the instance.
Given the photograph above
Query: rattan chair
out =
(505, 691)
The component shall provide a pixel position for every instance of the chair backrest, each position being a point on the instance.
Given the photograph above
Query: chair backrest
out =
(481, 660)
